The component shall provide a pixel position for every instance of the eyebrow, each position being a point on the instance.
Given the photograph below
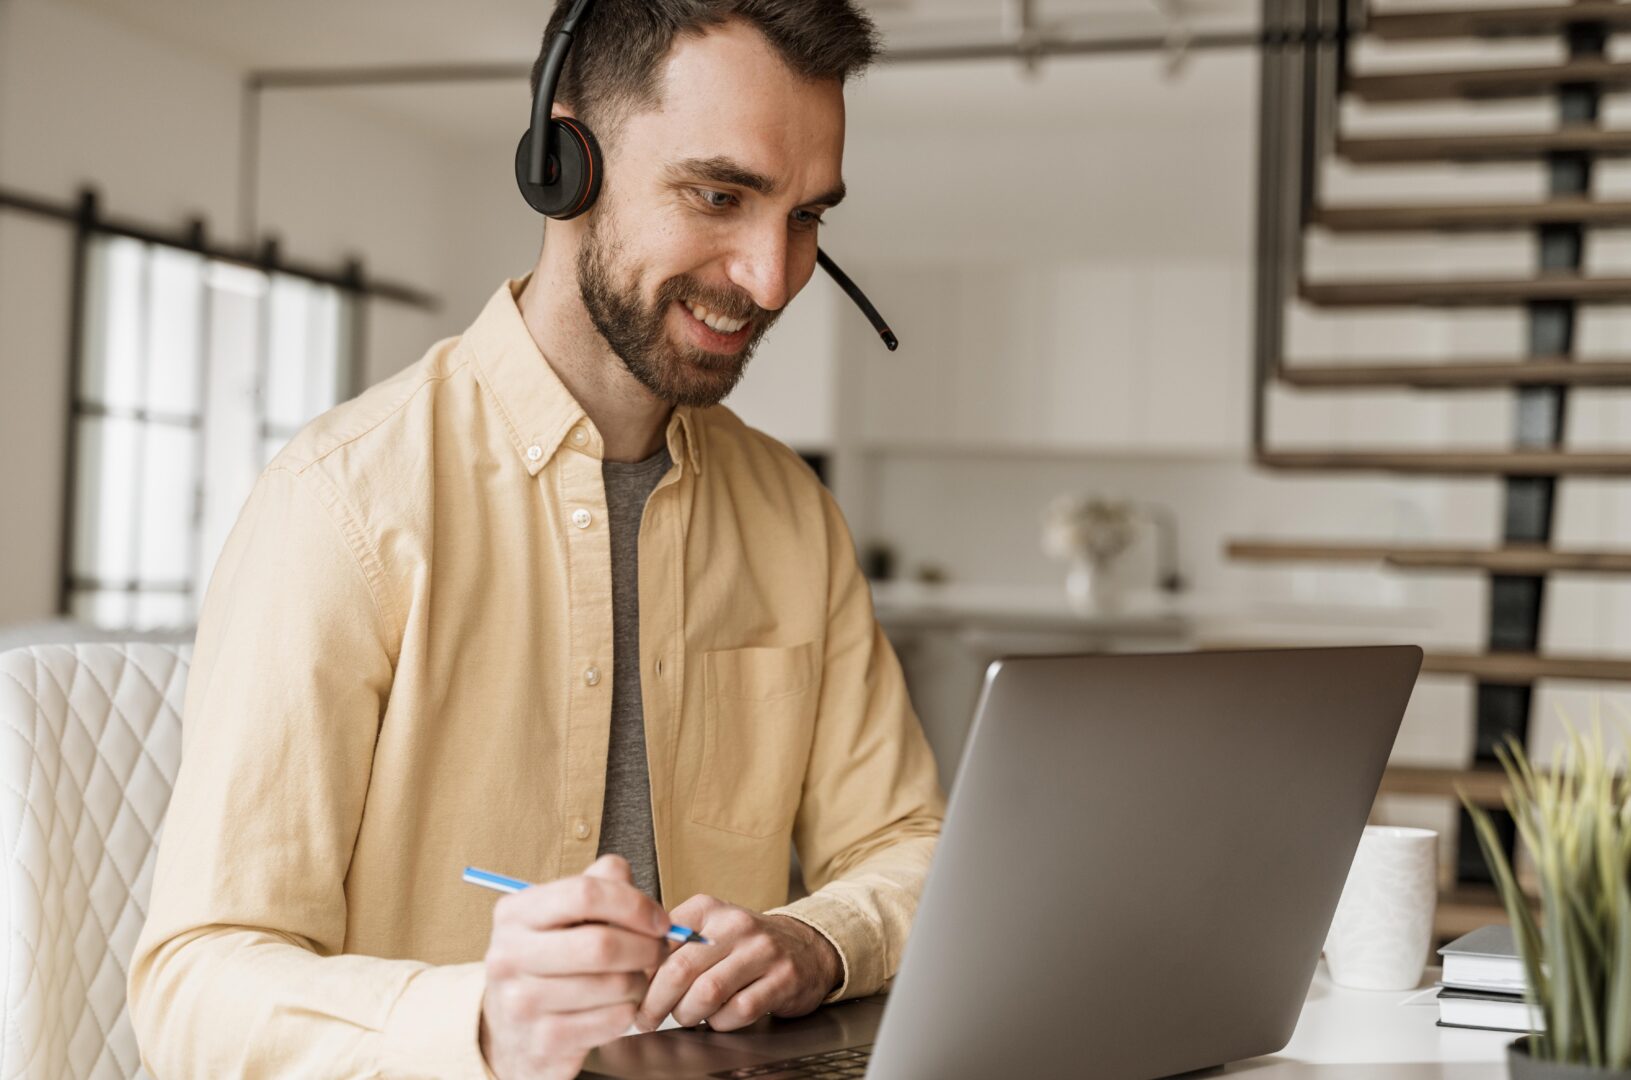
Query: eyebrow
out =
(722, 170)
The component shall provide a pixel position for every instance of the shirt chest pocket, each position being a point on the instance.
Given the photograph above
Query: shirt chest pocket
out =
(759, 708)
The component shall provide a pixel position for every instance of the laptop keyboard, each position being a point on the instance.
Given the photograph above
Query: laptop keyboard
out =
(833, 1064)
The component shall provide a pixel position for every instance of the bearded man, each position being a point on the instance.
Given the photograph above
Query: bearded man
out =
(540, 604)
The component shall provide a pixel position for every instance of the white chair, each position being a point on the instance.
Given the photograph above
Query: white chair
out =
(91, 742)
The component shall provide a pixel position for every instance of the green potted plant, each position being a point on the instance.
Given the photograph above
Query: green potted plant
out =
(1575, 821)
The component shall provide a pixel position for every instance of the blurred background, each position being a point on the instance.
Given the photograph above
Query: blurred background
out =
(1223, 322)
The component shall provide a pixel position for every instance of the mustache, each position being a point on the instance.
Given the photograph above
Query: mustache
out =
(731, 303)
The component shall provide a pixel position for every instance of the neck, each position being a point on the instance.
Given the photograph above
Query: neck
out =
(631, 421)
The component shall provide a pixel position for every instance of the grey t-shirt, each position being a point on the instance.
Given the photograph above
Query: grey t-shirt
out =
(625, 823)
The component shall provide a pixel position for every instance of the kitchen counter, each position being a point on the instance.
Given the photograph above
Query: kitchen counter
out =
(1201, 617)
(947, 635)
(916, 606)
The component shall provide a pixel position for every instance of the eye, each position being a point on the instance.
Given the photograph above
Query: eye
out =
(716, 200)
(808, 219)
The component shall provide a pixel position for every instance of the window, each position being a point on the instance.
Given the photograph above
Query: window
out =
(193, 373)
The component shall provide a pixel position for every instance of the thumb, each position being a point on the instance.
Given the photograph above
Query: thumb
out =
(611, 868)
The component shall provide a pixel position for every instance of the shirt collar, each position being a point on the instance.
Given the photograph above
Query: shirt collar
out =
(539, 412)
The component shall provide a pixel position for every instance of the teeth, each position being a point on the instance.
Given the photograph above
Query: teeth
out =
(720, 324)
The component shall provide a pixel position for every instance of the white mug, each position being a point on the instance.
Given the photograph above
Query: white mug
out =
(1384, 921)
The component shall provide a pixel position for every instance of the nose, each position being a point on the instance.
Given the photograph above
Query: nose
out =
(759, 266)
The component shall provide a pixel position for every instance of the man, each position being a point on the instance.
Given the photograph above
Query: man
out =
(536, 599)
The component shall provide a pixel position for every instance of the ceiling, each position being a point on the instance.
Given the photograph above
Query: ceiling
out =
(253, 35)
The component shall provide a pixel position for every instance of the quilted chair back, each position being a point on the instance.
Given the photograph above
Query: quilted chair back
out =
(92, 740)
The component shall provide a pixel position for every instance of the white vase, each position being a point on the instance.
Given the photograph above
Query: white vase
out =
(1089, 586)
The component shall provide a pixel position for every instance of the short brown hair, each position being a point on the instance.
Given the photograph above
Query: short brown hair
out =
(612, 68)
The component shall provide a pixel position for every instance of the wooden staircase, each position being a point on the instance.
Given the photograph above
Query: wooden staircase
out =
(1400, 217)
(1451, 147)
(1455, 23)
(1469, 374)
(1301, 112)
(1469, 292)
(1500, 82)
(1539, 463)
(1511, 559)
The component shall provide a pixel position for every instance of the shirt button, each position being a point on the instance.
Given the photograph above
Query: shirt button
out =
(581, 830)
(534, 453)
(579, 436)
(660, 667)
(592, 676)
(580, 518)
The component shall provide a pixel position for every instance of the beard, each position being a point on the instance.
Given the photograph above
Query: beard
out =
(679, 374)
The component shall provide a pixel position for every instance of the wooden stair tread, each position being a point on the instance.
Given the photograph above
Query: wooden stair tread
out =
(1505, 668)
(1445, 216)
(1378, 149)
(1426, 24)
(1449, 292)
(1453, 374)
(1513, 559)
(1517, 669)
(1484, 786)
(1436, 85)
(1483, 463)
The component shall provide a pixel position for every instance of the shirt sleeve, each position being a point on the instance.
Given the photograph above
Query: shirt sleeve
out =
(238, 970)
(872, 807)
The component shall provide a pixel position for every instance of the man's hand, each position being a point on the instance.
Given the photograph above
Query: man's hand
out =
(567, 965)
(756, 966)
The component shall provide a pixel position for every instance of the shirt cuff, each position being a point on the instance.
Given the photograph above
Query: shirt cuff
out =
(859, 943)
(434, 1029)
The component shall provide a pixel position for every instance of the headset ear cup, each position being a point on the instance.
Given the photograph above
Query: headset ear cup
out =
(572, 185)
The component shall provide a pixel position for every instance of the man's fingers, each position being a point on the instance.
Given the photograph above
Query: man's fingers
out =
(578, 950)
(694, 911)
(575, 993)
(586, 898)
(612, 868)
(752, 1002)
(713, 988)
(674, 978)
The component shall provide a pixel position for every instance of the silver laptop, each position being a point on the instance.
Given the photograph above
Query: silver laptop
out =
(1140, 861)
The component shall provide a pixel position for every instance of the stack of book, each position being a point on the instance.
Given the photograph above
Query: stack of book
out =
(1484, 983)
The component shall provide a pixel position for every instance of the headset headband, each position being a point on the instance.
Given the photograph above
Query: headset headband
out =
(543, 102)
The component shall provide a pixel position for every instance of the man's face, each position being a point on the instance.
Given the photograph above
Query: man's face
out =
(706, 227)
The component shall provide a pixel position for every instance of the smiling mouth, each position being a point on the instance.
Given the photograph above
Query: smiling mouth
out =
(715, 332)
(713, 320)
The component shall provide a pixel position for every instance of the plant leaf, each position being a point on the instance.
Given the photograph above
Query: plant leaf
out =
(1527, 935)
(1619, 985)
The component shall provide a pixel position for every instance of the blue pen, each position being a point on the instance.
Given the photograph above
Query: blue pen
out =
(679, 935)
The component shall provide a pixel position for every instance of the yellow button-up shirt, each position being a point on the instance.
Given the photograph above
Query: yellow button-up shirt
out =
(403, 668)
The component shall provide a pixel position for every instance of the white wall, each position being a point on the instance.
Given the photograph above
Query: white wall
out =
(86, 99)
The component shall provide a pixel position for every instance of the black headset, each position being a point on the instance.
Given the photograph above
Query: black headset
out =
(559, 173)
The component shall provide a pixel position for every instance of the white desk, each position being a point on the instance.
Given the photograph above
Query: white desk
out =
(1367, 1035)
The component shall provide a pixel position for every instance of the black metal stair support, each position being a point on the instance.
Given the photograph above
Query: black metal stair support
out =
(1517, 601)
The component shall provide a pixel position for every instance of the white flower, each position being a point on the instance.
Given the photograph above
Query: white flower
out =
(1086, 526)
